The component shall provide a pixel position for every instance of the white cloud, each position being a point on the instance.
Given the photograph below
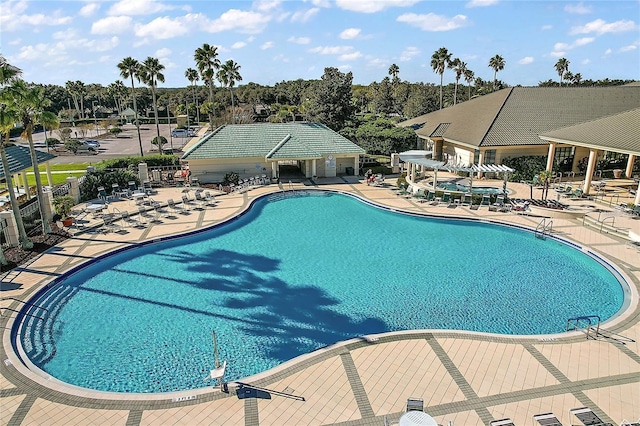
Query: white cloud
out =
(281, 58)
(111, 25)
(600, 27)
(304, 16)
(629, 48)
(350, 56)
(409, 53)
(586, 62)
(14, 18)
(344, 68)
(578, 9)
(332, 50)
(320, 3)
(583, 41)
(372, 6)
(377, 63)
(89, 9)
(350, 33)
(546, 27)
(161, 29)
(299, 40)
(242, 21)
(162, 53)
(526, 60)
(481, 3)
(266, 5)
(250, 39)
(433, 22)
(31, 53)
(558, 54)
(559, 49)
(266, 45)
(238, 45)
(137, 7)
(607, 52)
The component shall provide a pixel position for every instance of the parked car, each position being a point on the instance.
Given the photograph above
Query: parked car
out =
(180, 133)
(86, 150)
(92, 143)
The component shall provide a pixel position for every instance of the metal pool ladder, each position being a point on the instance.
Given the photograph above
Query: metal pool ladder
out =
(585, 322)
(544, 228)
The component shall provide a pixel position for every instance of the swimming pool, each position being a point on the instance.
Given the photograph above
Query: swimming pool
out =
(294, 274)
(453, 186)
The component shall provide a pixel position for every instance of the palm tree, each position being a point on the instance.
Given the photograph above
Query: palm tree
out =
(561, 67)
(8, 117)
(228, 75)
(497, 63)
(577, 78)
(394, 70)
(207, 62)
(468, 77)
(81, 92)
(49, 122)
(151, 73)
(72, 88)
(459, 67)
(193, 77)
(439, 62)
(129, 68)
(117, 90)
(30, 103)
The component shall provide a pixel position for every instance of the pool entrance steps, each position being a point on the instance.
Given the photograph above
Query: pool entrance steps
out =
(544, 228)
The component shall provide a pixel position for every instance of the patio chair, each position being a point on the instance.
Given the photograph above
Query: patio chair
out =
(502, 422)
(211, 199)
(203, 201)
(102, 194)
(486, 200)
(446, 198)
(415, 404)
(129, 220)
(187, 202)
(587, 417)
(147, 216)
(430, 196)
(466, 200)
(110, 222)
(173, 207)
(547, 419)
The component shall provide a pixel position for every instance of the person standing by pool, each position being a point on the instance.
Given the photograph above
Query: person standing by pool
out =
(367, 176)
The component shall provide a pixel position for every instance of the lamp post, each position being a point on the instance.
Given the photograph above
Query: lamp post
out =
(95, 120)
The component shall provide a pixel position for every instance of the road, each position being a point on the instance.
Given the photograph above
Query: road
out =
(125, 144)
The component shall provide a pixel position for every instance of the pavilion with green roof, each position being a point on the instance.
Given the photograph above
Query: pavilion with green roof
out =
(19, 158)
(262, 148)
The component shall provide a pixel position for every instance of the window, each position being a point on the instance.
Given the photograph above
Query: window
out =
(489, 156)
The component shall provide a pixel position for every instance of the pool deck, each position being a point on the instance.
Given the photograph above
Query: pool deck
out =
(464, 378)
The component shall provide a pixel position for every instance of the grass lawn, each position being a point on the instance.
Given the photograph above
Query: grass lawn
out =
(59, 173)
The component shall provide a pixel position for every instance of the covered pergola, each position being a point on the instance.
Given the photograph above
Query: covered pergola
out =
(416, 158)
(19, 158)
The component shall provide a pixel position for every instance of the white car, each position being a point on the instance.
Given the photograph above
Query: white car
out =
(182, 133)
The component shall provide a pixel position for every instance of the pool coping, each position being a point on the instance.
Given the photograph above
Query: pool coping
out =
(297, 363)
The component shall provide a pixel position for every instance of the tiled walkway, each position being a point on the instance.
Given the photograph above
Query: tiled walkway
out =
(464, 378)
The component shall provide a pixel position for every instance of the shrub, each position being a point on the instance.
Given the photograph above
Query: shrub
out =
(63, 205)
(72, 145)
(231, 178)
(115, 131)
(133, 161)
(52, 142)
(163, 140)
(89, 186)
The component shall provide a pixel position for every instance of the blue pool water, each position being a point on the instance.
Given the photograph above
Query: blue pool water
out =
(453, 186)
(296, 274)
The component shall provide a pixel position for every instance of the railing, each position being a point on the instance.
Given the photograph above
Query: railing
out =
(587, 320)
(613, 220)
(543, 229)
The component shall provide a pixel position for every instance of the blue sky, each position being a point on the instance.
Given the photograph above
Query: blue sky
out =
(273, 40)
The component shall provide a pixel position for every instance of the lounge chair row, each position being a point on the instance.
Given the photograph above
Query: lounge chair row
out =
(585, 415)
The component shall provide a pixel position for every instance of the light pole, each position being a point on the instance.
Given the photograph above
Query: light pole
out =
(95, 120)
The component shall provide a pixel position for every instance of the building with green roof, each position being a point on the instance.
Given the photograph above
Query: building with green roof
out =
(262, 148)
(509, 123)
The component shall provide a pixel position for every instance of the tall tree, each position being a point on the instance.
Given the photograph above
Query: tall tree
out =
(562, 66)
(228, 75)
(439, 62)
(394, 71)
(31, 103)
(130, 68)
(468, 77)
(8, 117)
(207, 62)
(330, 99)
(497, 63)
(193, 77)
(459, 67)
(72, 88)
(151, 73)
(577, 78)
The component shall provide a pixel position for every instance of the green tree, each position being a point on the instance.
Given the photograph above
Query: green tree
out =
(497, 63)
(228, 75)
(468, 77)
(207, 62)
(30, 103)
(150, 74)
(459, 67)
(394, 71)
(8, 117)
(562, 66)
(382, 96)
(383, 137)
(193, 77)
(130, 68)
(439, 62)
(330, 99)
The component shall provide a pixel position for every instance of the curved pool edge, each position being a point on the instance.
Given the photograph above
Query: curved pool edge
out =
(630, 305)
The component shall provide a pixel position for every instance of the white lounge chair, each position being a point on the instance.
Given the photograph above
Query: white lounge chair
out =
(547, 419)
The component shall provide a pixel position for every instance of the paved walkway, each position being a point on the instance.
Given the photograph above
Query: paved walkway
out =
(464, 378)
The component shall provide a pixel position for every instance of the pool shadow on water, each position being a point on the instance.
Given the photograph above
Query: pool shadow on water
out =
(290, 319)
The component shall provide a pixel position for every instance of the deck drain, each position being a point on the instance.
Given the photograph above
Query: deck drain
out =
(184, 398)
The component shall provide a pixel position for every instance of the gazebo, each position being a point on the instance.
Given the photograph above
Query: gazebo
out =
(423, 158)
(19, 158)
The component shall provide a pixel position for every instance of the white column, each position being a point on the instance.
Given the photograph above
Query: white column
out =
(11, 232)
(629, 170)
(74, 188)
(49, 211)
(637, 200)
(356, 166)
(591, 166)
(25, 182)
(143, 172)
(314, 164)
(480, 162)
(49, 177)
(550, 156)
(274, 170)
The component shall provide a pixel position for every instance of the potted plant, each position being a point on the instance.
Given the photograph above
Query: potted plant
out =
(63, 206)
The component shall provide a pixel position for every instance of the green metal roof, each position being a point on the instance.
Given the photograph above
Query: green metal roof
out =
(620, 132)
(19, 158)
(517, 115)
(272, 141)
